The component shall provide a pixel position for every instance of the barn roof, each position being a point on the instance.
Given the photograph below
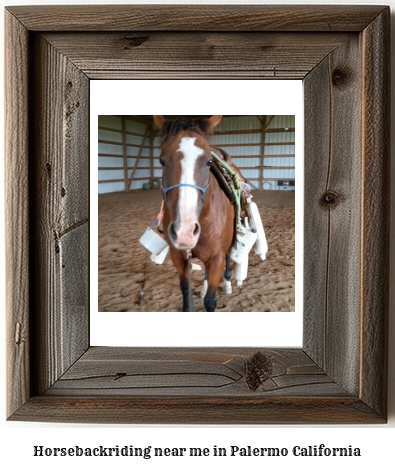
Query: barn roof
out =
(149, 119)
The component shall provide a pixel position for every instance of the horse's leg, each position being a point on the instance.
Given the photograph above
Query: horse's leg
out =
(186, 289)
(203, 291)
(227, 286)
(215, 272)
(183, 270)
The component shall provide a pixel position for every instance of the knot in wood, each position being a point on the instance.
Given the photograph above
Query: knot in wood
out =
(330, 199)
(339, 77)
(259, 369)
(135, 41)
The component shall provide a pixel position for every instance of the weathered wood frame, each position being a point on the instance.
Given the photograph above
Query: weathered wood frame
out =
(340, 374)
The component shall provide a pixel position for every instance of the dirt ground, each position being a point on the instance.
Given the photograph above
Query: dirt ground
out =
(124, 217)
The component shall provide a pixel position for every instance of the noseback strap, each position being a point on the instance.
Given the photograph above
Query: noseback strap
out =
(199, 188)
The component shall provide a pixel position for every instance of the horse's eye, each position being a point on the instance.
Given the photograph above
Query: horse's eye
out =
(209, 163)
(161, 162)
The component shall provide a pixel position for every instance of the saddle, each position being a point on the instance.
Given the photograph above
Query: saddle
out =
(226, 183)
(224, 178)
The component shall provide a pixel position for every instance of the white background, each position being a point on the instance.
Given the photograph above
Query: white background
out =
(107, 97)
(376, 442)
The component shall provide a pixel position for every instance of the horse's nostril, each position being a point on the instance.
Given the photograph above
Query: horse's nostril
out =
(197, 229)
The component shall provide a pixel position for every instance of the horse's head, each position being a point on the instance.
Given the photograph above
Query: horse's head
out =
(186, 160)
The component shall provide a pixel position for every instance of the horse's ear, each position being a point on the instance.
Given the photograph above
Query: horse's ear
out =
(214, 121)
(159, 121)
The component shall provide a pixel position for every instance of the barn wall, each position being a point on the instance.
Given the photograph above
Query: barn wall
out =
(137, 136)
(277, 167)
(279, 152)
(263, 147)
(115, 146)
(110, 154)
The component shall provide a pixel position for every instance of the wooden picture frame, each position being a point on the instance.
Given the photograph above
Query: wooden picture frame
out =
(340, 374)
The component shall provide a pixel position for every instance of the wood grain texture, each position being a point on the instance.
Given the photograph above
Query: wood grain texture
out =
(60, 212)
(17, 213)
(181, 55)
(339, 376)
(332, 205)
(317, 150)
(196, 17)
(376, 211)
(198, 410)
(188, 372)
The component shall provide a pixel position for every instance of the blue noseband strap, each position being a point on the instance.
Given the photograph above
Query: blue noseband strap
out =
(199, 188)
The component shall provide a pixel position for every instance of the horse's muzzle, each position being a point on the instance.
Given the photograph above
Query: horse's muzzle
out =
(184, 236)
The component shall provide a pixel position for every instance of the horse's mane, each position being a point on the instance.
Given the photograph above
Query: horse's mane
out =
(173, 127)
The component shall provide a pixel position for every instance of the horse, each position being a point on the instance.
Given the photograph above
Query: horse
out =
(199, 218)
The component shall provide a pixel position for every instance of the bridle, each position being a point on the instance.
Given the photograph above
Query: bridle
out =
(199, 188)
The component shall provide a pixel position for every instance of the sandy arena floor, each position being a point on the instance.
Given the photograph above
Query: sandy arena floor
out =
(123, 218)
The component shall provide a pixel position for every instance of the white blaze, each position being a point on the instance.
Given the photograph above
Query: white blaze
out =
(188, 196)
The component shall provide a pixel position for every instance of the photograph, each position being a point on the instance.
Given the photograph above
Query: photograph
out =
(196, 212)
